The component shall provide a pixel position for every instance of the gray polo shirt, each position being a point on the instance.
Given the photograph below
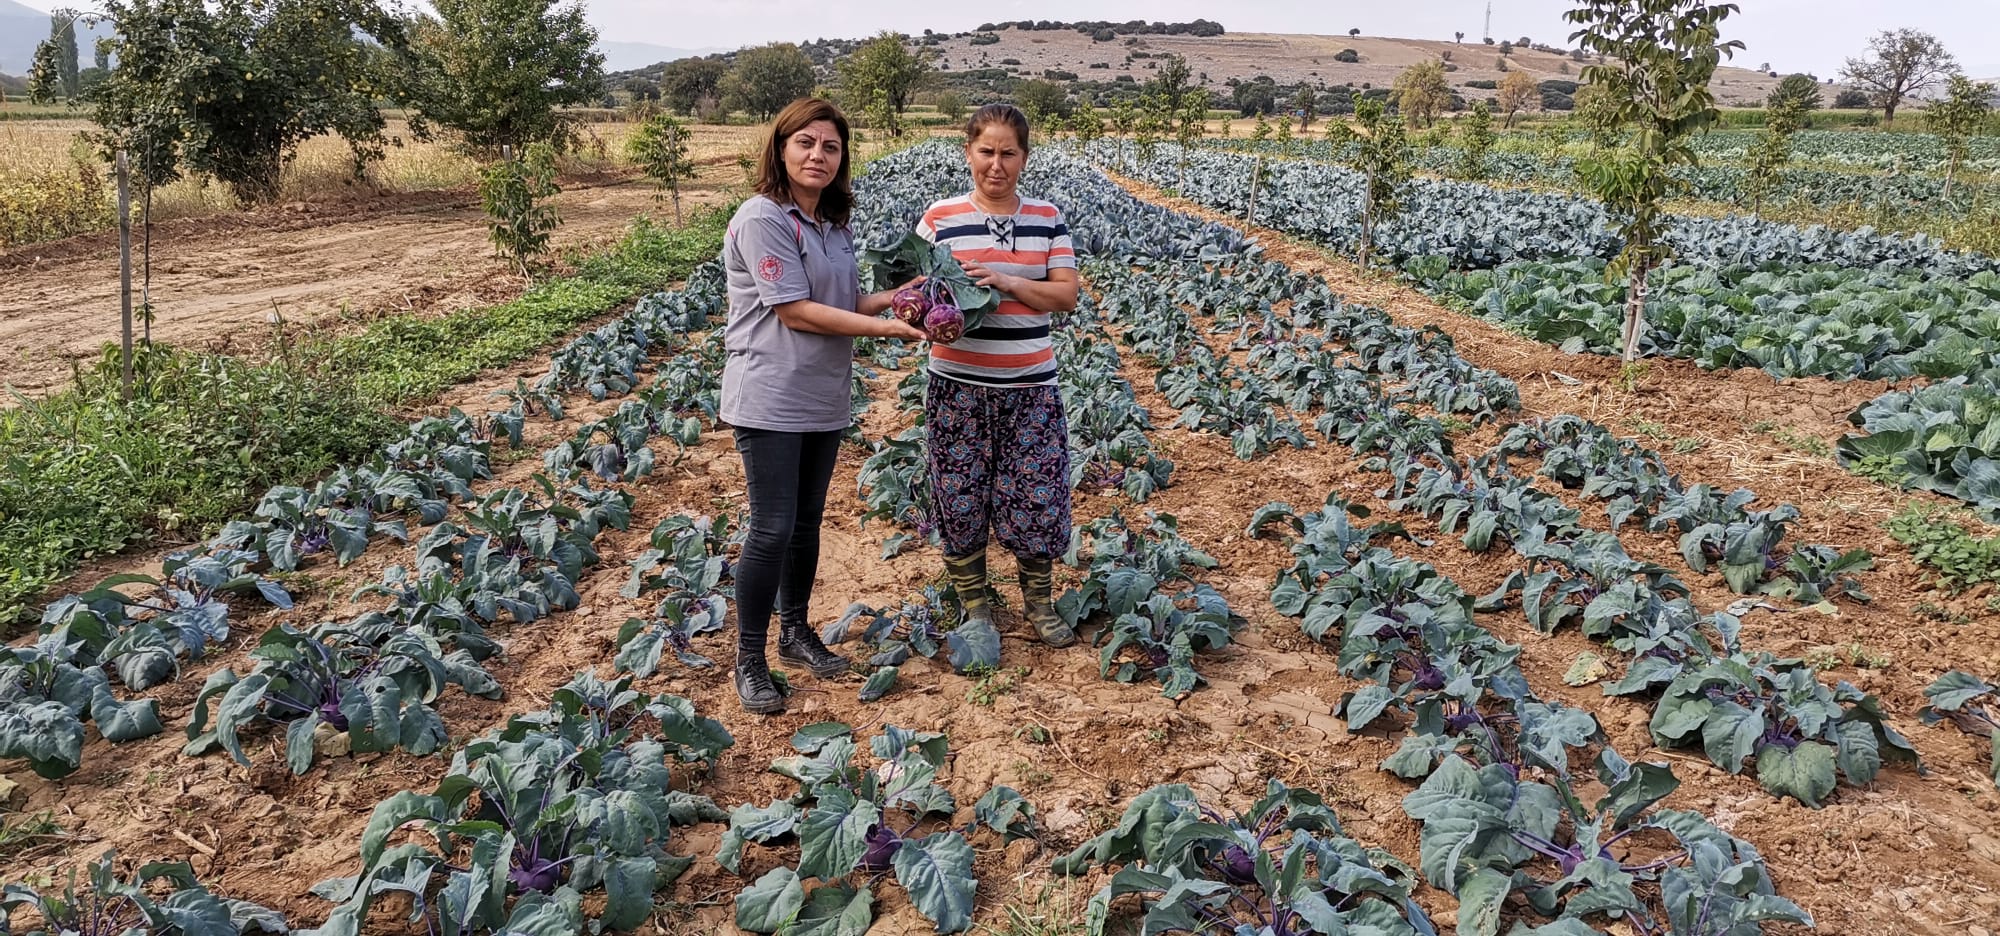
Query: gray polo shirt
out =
(777, 377)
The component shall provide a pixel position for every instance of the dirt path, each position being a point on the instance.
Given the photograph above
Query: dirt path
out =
(217, 282)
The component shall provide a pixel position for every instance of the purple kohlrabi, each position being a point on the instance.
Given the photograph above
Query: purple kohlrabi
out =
(945, 323)
(882, 845)
(1238, 867)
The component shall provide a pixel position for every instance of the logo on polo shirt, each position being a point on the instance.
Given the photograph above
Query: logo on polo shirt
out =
(770, 269)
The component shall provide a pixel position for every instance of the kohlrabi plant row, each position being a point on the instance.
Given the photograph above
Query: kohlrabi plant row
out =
(1474, 226)
(1837, 322)
(1499, 804)
(1729, 184)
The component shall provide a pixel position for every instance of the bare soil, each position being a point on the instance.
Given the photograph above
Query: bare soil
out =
(218, 282)
(1290, 58)
(1914, 853)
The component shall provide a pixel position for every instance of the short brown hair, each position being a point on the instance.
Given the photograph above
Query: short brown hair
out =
(1003, 114)
(836, 203)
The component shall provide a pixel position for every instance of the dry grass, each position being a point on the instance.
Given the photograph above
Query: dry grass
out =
(52, 184)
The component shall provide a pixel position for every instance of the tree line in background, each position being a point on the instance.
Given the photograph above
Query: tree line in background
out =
(229, 88)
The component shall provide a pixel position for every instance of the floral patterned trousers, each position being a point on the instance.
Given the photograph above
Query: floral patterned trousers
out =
(999, 458)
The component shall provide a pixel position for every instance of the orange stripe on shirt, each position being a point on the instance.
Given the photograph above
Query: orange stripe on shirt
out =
(975, 359)
(996, 255)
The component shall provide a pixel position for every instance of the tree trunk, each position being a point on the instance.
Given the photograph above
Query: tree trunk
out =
(1367, 221)
(1635, 309)
(1889, 111)
(1950, 169)
(1256, 176)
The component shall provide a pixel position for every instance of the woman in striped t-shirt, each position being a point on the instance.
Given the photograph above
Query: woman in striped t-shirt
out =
(997, 438)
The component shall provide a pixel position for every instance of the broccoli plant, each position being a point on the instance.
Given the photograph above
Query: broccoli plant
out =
(111, 906)
(916, 627)
(1964, 700)
(556, 804)
(1800, 731)
(1489, 831)
(336, 691)
(856, 827)
(1283, 868)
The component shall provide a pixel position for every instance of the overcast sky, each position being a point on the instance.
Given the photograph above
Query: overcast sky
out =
(1793, 35)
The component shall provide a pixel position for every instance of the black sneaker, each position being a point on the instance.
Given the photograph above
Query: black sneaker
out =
(755, 689)
(800, 645)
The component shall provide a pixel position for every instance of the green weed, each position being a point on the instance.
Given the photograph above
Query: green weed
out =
(1957, 559)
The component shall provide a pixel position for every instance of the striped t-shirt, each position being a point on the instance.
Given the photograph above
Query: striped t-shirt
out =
(1011, 346)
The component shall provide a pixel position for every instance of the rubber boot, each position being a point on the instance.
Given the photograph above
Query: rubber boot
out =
(1038, 602)
(968, 578)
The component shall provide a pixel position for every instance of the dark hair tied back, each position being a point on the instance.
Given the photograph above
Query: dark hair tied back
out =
(1006, 115)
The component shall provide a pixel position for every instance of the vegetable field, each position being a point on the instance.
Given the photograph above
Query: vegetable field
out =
(1397, 620)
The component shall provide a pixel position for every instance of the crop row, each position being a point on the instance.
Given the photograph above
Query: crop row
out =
(1727, 184)
(1741, 292)
(1476, 725)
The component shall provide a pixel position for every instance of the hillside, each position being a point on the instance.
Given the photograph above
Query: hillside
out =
(1286, 58)
(23, 27)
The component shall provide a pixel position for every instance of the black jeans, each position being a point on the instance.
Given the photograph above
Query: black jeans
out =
(787, 474)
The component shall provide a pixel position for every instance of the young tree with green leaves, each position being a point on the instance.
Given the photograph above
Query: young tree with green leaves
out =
(885, 64)
(1153, 122)
(1383, 158)
(767, 78)
(1306, 103)
(1085, 123)
(1422, 93)
(495, 72)
(951, 105)
(1957, 117)
(1284, 134)
(1783, 117)
(62, 34)
(1802, 89)
(1039, 99)
(1261, 130)
(1516, 91)
(230, 88)
(660, 148)
(515, 194)
(1172, 83)
(1476, 140)
(1659, 58)
(1190, 126)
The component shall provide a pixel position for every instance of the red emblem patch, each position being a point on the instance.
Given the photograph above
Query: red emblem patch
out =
(770, 269)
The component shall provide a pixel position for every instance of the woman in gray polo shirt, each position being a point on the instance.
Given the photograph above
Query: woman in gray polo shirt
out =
(795, 306)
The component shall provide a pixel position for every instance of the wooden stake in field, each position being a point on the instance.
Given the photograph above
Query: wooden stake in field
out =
(125, 270)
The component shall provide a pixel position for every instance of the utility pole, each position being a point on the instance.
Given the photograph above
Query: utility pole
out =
(1489, 21)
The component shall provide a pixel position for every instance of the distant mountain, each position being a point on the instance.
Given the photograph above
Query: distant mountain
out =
(23, 27)
(631, 56)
